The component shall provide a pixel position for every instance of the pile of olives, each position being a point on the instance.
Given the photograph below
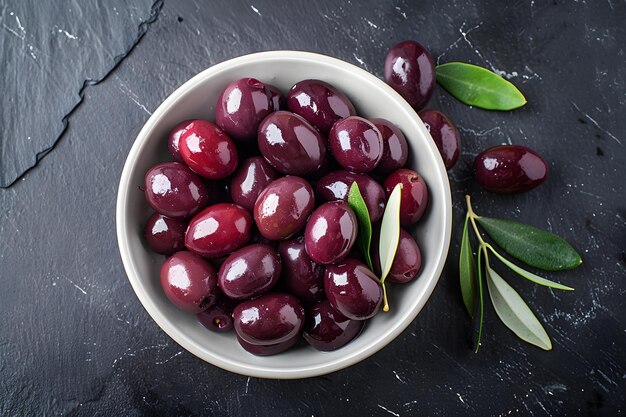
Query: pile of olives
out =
(252, 215)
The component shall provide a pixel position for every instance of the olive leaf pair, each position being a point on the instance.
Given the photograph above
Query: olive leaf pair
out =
(389, 232)
(534, 247)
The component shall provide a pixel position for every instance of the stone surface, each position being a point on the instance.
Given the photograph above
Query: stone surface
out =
(76, 341)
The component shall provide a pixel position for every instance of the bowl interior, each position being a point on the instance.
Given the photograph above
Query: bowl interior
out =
(197, 99)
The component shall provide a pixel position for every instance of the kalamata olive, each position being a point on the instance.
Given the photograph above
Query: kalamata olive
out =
(189, 282)
(326, 329)
(241, 107)
(356, 144)
(207, 150)
(407, 262)
(336, 186)
(410, 70)
(290, 144)
(253, 175)
(174, 190)
(268, 350)
(279, 100)
(218, 230)
(510, 169)
(395, 147)
(328, 165)
(302, 277)
(283, 207)
(174, 137)
(249, 272)
(444, 133)
(352, 289)
(319, 103)
(165, 235)
(414, 197)
(219, 317)
(270, 319)
(330, 232)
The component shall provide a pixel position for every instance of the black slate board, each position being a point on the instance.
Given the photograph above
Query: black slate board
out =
(74, 339)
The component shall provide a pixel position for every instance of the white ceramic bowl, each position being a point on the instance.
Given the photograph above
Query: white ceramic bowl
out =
(197, 99)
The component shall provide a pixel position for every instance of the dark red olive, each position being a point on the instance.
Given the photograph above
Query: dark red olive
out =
(219, 317)
(510, 169)
(290, 144)
(407, 262)
(173, 190)
(268, 350)
(336, 186)
(218, 230)
(395, 147)
(352, 289)
(326, 329)
(283, 207)
(165, 235)
(414, 197)
(279, 100)
(330, 232)
(174, 137)
(356, 144)
(249, 272)
(189, 282)
(241, 107)
(270, 319)
(302, 277)
(207, 150)
(253, 175)
(410, 70)
(444, 133)
(319, 103)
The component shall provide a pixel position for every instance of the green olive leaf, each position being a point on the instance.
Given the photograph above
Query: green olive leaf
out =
(529, 275)
(515, 313)
(364, 237)
(389, 232)
(481, 301)
(467, 271)
(530, 245)
(477, 86)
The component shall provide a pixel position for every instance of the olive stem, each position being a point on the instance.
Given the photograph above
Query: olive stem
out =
(386, 304)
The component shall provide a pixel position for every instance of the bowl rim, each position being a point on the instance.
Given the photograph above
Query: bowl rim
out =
(177, 335)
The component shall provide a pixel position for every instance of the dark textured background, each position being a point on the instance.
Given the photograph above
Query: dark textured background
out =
(74, 339)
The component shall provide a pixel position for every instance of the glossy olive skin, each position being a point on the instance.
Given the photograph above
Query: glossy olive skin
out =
(174, 137)
(241, 107)
(290, 144)
(189, 282)
(510, 169)
(268, 350)
(279, 101)
(414, 197)
(164, 234)
(410, 70)
(336, 186)
(302, 277)
(219, 317)
(207, 150)
(270, 319)
(356, 143)
(283, 207)
(253, 175)
(326, 329)
(319, 103)
(249, 272)
(444, 133)
(331, 232)
(395, 147)
(406, 264)
(173, 190)
(218, 230)
(353, 290)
